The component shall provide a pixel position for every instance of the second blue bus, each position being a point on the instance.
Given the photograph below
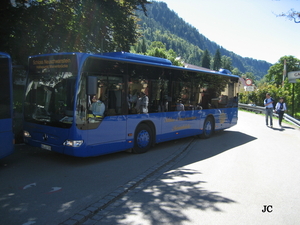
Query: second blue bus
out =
(6, 106)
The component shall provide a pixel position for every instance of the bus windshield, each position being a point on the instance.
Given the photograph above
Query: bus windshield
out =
(49, 96)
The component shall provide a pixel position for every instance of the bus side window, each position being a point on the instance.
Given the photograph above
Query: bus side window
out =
(114, 95)
(112, 99)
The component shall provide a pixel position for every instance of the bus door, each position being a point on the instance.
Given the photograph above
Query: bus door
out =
(105, 110)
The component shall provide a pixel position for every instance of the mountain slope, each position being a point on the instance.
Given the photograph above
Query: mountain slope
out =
(166, 26)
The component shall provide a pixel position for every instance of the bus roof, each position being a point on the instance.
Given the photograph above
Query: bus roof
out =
(138, 57)
(6, 55)
(143, 59)
(161, 61)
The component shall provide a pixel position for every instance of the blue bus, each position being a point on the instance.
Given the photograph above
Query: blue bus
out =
(85, 105)
(6, 106)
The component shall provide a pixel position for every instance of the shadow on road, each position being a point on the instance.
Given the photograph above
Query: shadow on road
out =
(175, 191)
(168, 198)
(283, 128)
(220, 143)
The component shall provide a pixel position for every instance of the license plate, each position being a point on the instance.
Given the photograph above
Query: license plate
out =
(47, 147)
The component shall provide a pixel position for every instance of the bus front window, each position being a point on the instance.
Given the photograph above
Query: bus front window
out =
(49, 98)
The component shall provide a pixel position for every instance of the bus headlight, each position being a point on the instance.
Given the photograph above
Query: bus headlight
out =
(26, 134)
(73, 143)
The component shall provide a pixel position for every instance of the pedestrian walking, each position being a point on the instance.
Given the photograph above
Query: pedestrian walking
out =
(280, 108)
(268, 102)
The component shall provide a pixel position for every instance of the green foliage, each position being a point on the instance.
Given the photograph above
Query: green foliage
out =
(188, 52)
(226, 62)
(205, 60)
(217, 64)
(34, 27)
(257, 97)
(275, 73)
(236, 71)
(158, 49)
(289, 91)
(143, 46)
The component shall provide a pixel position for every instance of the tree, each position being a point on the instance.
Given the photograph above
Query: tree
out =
(205, 61)
(143, 46)
(226, 62)
(236, 71)
(289, 91)
(275, 72)
(292, 15)
(217, 60)
(250, 75)
(44, 26)
(158, 49)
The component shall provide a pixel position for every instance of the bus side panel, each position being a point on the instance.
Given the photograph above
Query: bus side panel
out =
(134, 120)
(6, 138)
(105, 148)
(168, 125)
(180, 124)
(224, 118)
(114, 134)
(108, 137)
(232, 114)
(110, 129)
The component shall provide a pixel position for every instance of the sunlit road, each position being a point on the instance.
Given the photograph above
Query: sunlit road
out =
(228, 179)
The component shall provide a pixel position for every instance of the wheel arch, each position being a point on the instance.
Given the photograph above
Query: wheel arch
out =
(213, 119)
(151, 125)
(213, 126)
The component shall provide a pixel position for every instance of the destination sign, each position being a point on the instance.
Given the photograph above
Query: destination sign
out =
(62, 63)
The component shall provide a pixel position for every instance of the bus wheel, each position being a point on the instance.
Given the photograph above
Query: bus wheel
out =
(208, 128)
(142, 139)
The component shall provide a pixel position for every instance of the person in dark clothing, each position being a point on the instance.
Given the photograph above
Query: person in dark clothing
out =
(280, 108)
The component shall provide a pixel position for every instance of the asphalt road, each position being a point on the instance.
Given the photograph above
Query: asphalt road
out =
(42, 187)
(228, 179)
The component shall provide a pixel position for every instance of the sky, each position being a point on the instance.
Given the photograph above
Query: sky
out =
(249, 28)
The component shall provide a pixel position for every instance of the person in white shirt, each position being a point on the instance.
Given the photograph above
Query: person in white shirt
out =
(268, 102)
(179, 106)
(144, 103)
(97, 107)
(280, 109)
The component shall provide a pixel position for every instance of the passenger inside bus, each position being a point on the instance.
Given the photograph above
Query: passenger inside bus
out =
(142, 103)
(97, 107)
(204, 100)
(179, 106)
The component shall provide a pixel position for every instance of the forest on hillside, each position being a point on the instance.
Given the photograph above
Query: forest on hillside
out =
(164, 25)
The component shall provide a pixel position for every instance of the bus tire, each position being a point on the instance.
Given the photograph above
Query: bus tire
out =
(208, 128)
(143, 139)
